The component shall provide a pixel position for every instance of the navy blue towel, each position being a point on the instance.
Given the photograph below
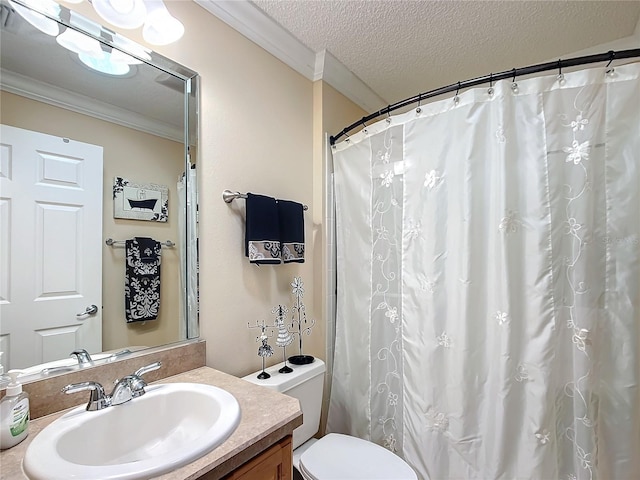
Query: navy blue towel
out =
(262, 236)
(142, 279)
(291, 218)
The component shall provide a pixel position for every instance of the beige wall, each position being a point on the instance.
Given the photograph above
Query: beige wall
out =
(142, 158)
(256, 135)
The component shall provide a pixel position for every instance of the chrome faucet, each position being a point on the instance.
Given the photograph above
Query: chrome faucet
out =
(131, 386)
(98, 399)
(126, 388)
(83, 357)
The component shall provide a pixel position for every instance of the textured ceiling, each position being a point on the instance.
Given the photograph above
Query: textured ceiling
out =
(400, 48)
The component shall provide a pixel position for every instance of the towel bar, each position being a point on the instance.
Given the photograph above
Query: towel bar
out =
(228, 196)
(111, 242)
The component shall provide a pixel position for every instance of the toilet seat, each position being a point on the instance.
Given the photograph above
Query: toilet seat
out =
(340, 457)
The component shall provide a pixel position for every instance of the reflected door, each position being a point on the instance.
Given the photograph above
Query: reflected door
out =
(50, 247)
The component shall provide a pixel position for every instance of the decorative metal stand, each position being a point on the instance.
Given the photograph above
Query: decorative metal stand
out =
(284, 336)
(298, 318)
(264, 350)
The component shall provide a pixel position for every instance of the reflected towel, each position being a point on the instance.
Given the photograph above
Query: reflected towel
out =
(142, 279)
(262, 237)
(291, 217)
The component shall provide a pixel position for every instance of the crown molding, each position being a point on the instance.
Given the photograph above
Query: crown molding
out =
(58, 97)
(346, 82)
(261, 29)
(257, 26)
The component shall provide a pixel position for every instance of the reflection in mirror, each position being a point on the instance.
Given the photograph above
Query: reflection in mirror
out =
(94, 128)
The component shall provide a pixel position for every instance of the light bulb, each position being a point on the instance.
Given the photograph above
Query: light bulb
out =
(160, 28)
(38, 20)
(106, 64)
(121, 13)
(80, 43)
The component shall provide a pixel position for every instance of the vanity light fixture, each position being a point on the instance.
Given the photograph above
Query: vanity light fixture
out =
(159, 27)
(121, 13)
(80, 43)
(89, 50)
(105, 64)
(41, 22)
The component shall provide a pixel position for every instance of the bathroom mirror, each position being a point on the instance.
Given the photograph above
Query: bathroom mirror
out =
(142, 123)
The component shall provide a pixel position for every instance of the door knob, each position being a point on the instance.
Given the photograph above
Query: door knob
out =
(90, 310)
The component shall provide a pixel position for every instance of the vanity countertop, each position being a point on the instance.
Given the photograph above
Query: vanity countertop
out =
(267, 416)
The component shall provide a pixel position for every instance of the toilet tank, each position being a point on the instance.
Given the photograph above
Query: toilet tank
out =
(305, 383)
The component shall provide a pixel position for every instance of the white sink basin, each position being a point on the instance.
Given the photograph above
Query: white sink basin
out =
(169, 426)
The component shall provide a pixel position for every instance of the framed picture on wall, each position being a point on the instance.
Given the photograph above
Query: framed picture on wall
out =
(136, 201)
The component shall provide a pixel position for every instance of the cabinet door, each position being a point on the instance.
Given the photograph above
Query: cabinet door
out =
(275, 463)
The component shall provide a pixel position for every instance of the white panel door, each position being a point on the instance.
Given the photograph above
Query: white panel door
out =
(50, 246)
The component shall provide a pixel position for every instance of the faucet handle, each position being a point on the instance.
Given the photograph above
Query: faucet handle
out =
(97, 400)
(148, 368)
(131, 386)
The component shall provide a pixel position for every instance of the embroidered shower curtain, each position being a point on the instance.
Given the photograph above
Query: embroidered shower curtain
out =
(488, 263)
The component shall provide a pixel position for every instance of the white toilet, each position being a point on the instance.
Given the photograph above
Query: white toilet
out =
(334, 456)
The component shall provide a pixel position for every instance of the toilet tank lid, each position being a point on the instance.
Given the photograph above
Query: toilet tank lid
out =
(282, 382)
(336, 456)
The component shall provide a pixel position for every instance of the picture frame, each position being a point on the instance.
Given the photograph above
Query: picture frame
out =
(140, 201)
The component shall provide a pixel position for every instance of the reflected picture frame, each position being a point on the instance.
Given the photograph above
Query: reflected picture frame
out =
(140, 201)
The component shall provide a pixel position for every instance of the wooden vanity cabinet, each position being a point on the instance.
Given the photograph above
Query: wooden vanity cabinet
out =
(275, 463)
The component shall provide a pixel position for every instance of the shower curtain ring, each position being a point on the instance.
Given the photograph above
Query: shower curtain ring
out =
(514, 85)
(388, 119)
(560, 74)
(364, 130)
(419, 110)
(612, 56)
(456, 98)
(490, 91)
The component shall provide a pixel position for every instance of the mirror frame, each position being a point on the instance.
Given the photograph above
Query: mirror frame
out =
(191, 83)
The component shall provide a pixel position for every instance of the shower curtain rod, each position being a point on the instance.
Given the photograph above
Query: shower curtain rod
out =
(609, 56)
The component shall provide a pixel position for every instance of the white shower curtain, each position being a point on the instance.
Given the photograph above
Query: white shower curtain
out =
(488, 259)
(188, 228)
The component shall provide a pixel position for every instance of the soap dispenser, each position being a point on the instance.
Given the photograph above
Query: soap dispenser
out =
(4, 379)
(14, 414)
